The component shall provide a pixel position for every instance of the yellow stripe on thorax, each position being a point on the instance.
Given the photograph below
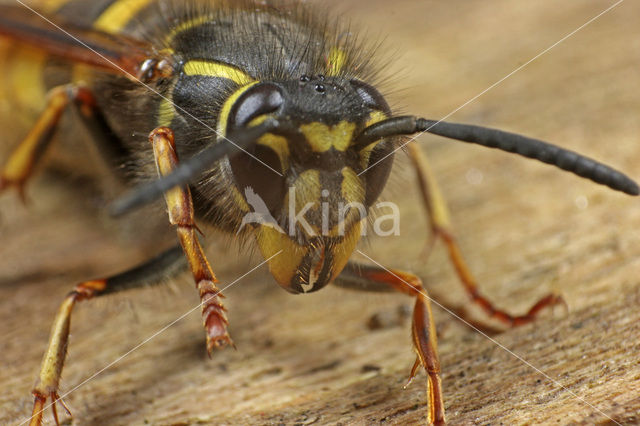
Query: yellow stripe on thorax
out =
(185, 26)
(217, 69)
(119, 14)
(166, 111)
(112, 21)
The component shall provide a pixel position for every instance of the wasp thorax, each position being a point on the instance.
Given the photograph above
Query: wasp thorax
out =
(307, 189)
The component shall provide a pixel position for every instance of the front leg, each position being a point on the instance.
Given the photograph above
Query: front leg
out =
(423, 331)
(152, 272)
(180, 207)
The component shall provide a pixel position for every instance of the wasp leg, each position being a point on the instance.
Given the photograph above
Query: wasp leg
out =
(109, 146)
(441, 228)
(180, 206)
(23, 160)
(423, 332)
(152, 272)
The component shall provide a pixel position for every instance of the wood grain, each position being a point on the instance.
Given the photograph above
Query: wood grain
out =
(526, 229)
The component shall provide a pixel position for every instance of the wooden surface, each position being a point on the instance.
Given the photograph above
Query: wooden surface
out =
(526, 229)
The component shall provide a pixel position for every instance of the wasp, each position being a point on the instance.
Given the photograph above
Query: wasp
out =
(261, 119)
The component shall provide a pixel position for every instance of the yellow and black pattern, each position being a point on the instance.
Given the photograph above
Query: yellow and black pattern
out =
(179, 86)
(222, 54)
(29, 72)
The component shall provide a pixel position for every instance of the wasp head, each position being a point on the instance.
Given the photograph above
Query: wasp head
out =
(306, 188)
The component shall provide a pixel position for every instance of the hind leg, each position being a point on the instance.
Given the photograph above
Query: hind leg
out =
(438, 217)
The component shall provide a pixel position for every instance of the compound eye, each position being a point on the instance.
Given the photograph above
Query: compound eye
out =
(255, 178)
(381, 158)
(370, 96)
(260, 99)
(253, 169)
(379, 168)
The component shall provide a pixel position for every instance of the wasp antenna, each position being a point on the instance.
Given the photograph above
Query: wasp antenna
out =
(505, 141)
(188, 170)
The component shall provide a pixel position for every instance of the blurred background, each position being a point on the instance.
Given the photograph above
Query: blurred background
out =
(336, 356)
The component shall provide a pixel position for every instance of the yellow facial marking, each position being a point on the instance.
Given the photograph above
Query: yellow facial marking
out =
(322, 137)
(284, 265)
(335, 61)
(118, 15)
(258, 120)
(288, 256)
(365, 152)
(226, 108)
(352, 189)
(307, 190)
(375, 117)
(217, 69)
(239, 200)
(342, 251)
(276, 142)
(280, 145)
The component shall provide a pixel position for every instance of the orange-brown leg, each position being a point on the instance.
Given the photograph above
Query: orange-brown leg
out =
(23, 159)
(181, 215)
(423, 331)
(47, 384)
(442, 229)
(22, 162)
(48, 381)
